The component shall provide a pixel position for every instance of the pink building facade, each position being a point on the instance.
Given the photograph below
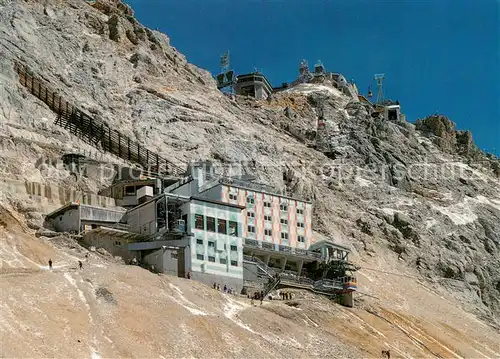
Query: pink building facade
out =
(270, 218)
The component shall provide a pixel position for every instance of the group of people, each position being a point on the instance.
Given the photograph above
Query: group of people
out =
(257, 296)
(285, 295)
(226, 289)
(80, 263)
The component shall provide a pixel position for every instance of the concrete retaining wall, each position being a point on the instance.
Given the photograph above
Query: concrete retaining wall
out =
(50, 197)
(165, 261)
(115, 245)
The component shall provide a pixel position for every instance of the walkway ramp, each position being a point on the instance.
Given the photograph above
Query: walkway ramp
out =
(269, 287)
(96, 132)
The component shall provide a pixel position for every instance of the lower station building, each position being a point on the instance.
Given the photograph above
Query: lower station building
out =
(216, 229)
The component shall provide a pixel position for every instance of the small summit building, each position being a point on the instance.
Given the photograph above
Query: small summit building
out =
(253, 85)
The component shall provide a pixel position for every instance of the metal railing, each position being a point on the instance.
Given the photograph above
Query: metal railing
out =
(282, 248)
(261, 187)
(327, 284)
(260, 265)
(121, 226)
(290, 277)
(93, 131)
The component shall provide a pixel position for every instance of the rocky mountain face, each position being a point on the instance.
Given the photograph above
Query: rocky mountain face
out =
(421, 195)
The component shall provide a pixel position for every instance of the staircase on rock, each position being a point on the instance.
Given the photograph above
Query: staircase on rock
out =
(95, 132)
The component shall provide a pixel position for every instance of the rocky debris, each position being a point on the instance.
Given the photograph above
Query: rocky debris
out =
(48, 11)
(44, 232)
(104, 293)
(104, 252)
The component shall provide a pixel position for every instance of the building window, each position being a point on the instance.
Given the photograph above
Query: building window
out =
(211, 224)
(234, 263)
(130, 191)
(267, 218)
(251, 229)
(211, 244)
(301, 239)
(233, 197)
(284, 221)
(200, 257)
(267, 204)
(300, 211)
(250, 200)
(234, 248)
(198, 221)
(300, 224)
(222, 260)
(251, 214)
(268, 232)
(284, 207)
(284, 235)
(233, 229)
(211, 259)
(221, 226)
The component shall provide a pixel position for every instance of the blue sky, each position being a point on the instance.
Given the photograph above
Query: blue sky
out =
(437, 55)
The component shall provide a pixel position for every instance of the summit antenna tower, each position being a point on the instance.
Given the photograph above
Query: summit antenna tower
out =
(380, 89)
(226, 77)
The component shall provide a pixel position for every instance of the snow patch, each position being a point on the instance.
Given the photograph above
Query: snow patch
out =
(458, 213)
(495, 203)
(430, 223)
(72, 281)
(184, 302)
(388, 211)
(476, 174)
(462, 213)
(232, 308)
(360, 181)
(311, 88)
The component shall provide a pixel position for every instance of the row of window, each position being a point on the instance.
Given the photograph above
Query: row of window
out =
(212, 245)
(268, 219)
(283, 208)
(251, 200)
(201, 257)
(217, 225)
(269, 232)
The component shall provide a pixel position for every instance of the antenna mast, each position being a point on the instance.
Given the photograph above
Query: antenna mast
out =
(380, 90)
(224, 62)
(226, 77)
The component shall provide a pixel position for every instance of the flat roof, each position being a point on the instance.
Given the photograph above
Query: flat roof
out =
(249, 187)
(72, 205)
(62, 209)
(326, 243)
(186, 198)
(116, 233)
(201, 199)
(253, 75)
